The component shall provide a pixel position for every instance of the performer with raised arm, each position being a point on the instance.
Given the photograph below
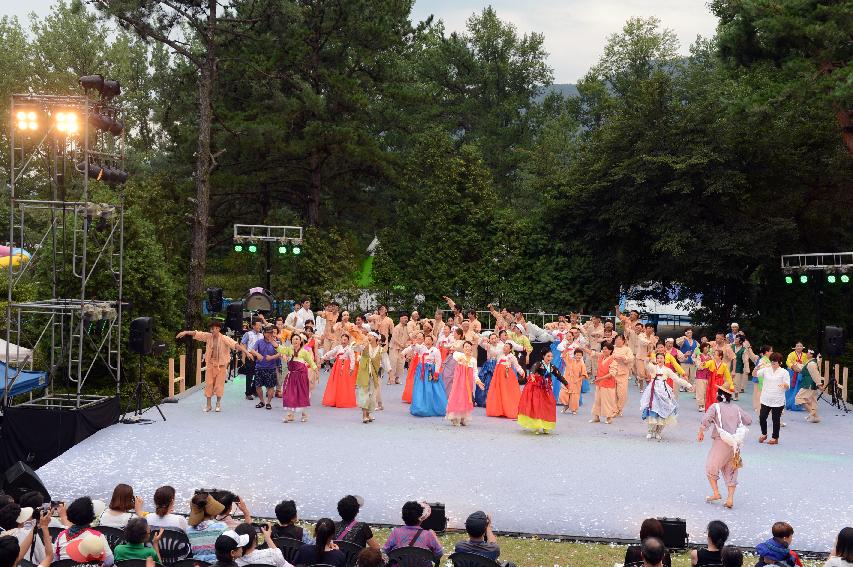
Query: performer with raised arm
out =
(537, 408)
(429, 398)
(296, 394)
(367, 381)
(414, 353)
(505, 393)
(460, 402)
(340, 389)
(623, 362)
(575, 373)
(399, 341)
(604, 403)
(719, 374)
(493, 349)
(659, 405)
(218, 349)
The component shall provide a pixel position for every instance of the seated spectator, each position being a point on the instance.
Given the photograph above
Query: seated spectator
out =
(252, 555)
(12, 520)
(718, 533)
(412, 535)
(369, 557)
(481, 538)
(35, 500)
(777, 549)
(323, 550)
(12, 552)
(137, 532)
(81, 514)
(123, 506)
(88, 548)
(204, 527)
(652, 550)
(651, 527)
(228, 547)
(842, 555)
(348, 529)
(285, 513)
(230, 501)
(164, 502)
(731, 557)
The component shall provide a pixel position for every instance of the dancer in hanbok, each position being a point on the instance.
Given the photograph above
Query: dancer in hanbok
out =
(367, 381)
(795, 361)
(493, 350)
(296, 395)
(448, 367)
(604, 403)
(559, 331)
(429, 398)
(311, 345)
(659, 405)
(460, 401)
(340, 389)
(414, 353)
(537, 408)
(719, 374)
(444, 340)
(505, 393)
(702, 373)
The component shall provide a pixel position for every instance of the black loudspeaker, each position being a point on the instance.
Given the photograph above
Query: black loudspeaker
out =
(234, 317)
(833, 341)
(20, 479)
(674, 533)
(437, 520)
(214, 299)
(141, 339)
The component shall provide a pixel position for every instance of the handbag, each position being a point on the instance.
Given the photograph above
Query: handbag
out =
(734, 440)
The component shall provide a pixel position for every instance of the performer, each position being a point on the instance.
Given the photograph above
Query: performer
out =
(740, 364)
(217, 355)
(399, 340)
(574, 375)
(445, 338)
(658, 403)
(775, 381)
(623, 361)
(796, 359)
(296, 395)
(331, 333)
(604, 403)
(248, 340)
(688, 347)
(414, 353)
(761, 360)
(593, 330)
(265, 367)
(311, 347)
(367, 382)
(560, 331)
(505, 393)
(702, 374)
(719, 374)
(810, 382)
(448, 367)
(340, 389)
(537, 408)
(647, 344)
(572, 342)
(728, 420)
(459, 402)
(429, 398)
(493, 350)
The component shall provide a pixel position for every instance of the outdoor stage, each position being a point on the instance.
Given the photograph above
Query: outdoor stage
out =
(590, 480)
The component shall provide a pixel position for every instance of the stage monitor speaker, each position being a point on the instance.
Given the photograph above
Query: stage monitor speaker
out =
(833, 341)
(214, 299)
(674, 533)
(20, 479)
(234, 317)
(437, 520)
(141, 339)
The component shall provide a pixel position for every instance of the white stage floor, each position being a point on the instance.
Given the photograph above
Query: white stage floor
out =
(584, 480)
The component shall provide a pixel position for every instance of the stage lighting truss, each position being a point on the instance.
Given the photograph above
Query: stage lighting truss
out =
(284, 238)
(833, 266)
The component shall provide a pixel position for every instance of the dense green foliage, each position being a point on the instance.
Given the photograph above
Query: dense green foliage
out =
(692, 172)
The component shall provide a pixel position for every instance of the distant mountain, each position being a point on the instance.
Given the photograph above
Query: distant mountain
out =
(566, 89)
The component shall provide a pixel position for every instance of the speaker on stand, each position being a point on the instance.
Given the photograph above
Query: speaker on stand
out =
(141, 341)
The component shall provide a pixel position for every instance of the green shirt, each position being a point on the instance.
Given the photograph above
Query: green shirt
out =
(126, 551)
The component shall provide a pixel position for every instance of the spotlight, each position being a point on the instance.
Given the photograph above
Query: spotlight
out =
(238, 248)
(110, 175)
(789, 280)
(845, 278)
(111, 89)
(66, 122)
(282, 249)
(27, 120)
(804, 279)
(106, 123)
(253, 248)
(92, 82)
(830, 278)
(297, 250)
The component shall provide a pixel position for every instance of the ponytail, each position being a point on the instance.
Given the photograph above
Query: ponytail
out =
(324, 531)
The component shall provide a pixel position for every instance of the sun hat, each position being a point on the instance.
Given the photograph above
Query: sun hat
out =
(726, 388)
(87, 548)
(212, 508)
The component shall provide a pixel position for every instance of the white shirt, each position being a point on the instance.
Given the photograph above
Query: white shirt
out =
(771, 394)
(111, 519)
(38, 546)
(264, 557)
(837, 562)
(303, 315)
(251, 338)
(172, 521)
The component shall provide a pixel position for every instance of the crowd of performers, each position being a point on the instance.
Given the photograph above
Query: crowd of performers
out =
(436, 361)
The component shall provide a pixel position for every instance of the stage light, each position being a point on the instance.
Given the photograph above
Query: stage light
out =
(804, 279)
(845, 278)
(238, 248)
(110, 175)
(27, 120)
(830, 278)
(66, 122)
(282, 249)
(92, 82)
(111, 89)
(253, 248)
(297, 250)
(106, 123)
(789, 280)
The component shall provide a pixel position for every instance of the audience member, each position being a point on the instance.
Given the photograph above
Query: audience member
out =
(777, 549)
(89, 549)
(285, 513)
(348, 529)
(204, 529)
(35, 500)
(13, 519)
(81, 514)
(731, 557)
(323, 550)
(228, 547)
(652, 550)
(271, 555)
(229, 501)
(123, 506)
(369, 557)
(718, 533)
(481, 538)
(137, 532)
(651, 527)
(163, 516)
(12, 551)
(842, 555)
(411, 534)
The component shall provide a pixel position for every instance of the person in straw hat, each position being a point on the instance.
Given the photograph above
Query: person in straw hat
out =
(204, 527)
(729, 429)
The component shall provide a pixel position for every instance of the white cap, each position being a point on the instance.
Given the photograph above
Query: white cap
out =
(240, 540)
(25, 515)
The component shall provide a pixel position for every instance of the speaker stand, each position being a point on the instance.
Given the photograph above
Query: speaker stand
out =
(140, 391)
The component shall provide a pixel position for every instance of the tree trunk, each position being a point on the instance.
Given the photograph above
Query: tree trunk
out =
(198, 250)
(313, 211)
(845, 120)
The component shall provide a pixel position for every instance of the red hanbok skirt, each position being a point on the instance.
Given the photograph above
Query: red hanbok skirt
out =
(340, 389)
(504, 394)
(537, 408)
(410, 379)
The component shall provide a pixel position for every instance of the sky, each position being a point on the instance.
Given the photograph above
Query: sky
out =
(575, 30)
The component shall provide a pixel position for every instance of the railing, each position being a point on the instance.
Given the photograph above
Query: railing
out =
(181, 378)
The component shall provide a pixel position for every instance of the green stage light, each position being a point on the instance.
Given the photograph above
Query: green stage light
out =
(282, 249)
(297, 250)
(253, 248)
(789, 280)
(830, 278)
(238, 248)
(845, 278)
(803, 279)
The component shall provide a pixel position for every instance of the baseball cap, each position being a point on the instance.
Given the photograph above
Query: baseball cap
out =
(230, 540)
(87, 548)
(25, 515)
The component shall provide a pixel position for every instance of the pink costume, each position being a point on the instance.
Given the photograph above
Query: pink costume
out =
(460, 402)
(720, 456)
